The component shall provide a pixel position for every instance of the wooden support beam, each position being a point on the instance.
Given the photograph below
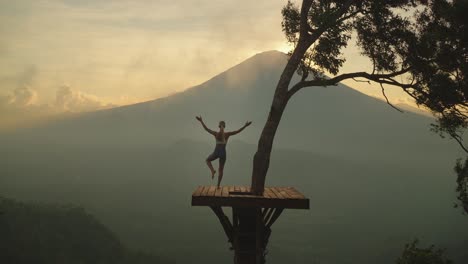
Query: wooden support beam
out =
(252, 215)
(275, 216)
(246, 236)
(235, 218)
(249, 231)
(224, 220)
(265, 212)
(268, 215)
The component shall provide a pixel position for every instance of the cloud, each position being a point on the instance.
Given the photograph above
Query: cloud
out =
(21, 97)
(71, 100)
(67, 99)
(21, 108)
(155, 47)
(24, 96)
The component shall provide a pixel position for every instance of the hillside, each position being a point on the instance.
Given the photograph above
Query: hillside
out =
(361, 212)
(39, 233)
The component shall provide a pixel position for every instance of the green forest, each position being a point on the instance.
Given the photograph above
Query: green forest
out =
(48, 234)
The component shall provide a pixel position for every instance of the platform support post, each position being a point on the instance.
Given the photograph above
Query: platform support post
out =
(247, 239)
(249, 231)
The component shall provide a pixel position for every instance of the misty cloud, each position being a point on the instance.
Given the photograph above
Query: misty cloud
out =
(68, 99)
(23, 96)
(21, 107)
(20, 98)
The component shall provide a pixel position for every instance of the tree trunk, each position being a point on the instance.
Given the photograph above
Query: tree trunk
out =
(248, 236)
(261, 161)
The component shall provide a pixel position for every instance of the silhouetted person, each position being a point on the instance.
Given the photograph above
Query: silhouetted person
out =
(220, 149)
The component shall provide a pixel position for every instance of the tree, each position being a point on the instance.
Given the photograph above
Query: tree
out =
(412, 254)
(417, 46)
(462, 184)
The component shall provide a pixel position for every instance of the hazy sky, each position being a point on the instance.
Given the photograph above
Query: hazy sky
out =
(81, 55)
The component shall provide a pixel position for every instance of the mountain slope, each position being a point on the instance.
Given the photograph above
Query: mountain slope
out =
(334, 120)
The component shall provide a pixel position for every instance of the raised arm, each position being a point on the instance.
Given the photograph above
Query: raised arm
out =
(199, 118)
(240, 129)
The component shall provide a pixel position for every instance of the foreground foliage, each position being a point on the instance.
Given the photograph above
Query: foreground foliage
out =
(38, 233)
(413, 254)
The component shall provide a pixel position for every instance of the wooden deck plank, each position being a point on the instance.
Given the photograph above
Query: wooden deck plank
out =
(272, 194)
(284, 193)
(205, 191)
(268, 194)
(211, 191)
(277, 193)
(274, 197)
(198, 191)
(218, 191)
(294, 193)
(225, 191)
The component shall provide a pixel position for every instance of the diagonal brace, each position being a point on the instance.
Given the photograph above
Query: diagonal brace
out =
(275, 216)
(224, 220)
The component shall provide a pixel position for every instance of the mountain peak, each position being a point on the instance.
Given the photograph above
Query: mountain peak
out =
(269, 63)
(271, 57)
(269, 54)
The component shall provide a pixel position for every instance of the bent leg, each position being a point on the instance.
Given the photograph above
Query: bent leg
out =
(208, 162)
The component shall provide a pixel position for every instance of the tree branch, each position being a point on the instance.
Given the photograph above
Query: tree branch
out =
(393, 82)
(331, 21)
(352, 14)
(356, 80)
(373, 65)
(388, 102)
(304, 26)
(459, 141)
(379, 78)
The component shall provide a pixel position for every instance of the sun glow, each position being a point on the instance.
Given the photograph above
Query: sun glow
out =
(284, 47)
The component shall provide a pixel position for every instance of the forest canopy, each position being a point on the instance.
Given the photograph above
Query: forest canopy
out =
(42, 233)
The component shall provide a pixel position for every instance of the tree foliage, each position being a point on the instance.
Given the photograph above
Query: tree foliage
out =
(412, 254)
(419, 46)
(461, 168)
(423, 42)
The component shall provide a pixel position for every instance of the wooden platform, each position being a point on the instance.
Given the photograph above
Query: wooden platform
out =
(239, 196)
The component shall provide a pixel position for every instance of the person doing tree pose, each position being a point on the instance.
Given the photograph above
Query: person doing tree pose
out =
(220, 150)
